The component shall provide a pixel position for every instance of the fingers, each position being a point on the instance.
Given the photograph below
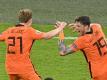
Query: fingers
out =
(64, 24)
(60, 24)
(57, 24)
(71, 25)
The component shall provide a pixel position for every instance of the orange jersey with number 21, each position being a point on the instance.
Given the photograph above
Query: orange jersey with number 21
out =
(19, 41)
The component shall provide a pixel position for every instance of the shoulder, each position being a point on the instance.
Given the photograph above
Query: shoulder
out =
(30, 29)
(7, 30)
(81, 42)
(95, 25)
(33, 30)
(84, 39)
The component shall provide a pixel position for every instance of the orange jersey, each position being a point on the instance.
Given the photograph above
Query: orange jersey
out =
(19, 41)
(94, 47)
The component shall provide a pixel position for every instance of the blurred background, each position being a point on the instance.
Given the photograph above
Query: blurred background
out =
(49, 11)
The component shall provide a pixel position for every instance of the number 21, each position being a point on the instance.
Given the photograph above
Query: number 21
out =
(14, 43)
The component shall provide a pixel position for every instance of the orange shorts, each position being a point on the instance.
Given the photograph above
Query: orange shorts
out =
(27, 76)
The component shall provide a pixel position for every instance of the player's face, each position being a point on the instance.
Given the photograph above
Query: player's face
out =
(80, 28)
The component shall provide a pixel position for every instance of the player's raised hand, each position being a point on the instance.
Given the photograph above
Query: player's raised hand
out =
(60, 24)
(72, 26)
(56, 24)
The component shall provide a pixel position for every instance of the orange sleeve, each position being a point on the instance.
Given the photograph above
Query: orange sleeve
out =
(2, 36)
(36, 34)
(96, 27)
(78, 44)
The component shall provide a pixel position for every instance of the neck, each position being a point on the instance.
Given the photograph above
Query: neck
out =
(89, 31)
(26, 24)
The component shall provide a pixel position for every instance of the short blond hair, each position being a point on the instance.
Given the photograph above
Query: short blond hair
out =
(24, 15)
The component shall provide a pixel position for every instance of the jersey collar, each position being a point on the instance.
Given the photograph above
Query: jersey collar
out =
(90, 32)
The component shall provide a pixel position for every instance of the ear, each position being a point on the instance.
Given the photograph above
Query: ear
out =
(29, 23)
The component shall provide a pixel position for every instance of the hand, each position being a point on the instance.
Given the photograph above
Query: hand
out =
(72, 26)
(56, 24)
(61, 53)
(60, 24)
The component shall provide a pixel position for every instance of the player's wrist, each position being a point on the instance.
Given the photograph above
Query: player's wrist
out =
(61, 45)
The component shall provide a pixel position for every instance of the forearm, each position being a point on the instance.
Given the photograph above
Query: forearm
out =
(63, 50)
(59, 27)
(52, 33)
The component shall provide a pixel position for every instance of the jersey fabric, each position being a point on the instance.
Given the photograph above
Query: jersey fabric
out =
(94, 47)
(19, 40)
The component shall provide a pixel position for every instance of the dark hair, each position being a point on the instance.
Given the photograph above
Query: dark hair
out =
(24, 15)
(85, 20)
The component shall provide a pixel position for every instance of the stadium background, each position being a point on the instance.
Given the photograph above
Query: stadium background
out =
(46, 13)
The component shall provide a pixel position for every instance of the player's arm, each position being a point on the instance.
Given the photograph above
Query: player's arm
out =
(61, 36)
(54, 32)
(63, 50)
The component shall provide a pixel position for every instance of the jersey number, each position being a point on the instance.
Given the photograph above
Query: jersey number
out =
(13, 44)
(100, 44)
